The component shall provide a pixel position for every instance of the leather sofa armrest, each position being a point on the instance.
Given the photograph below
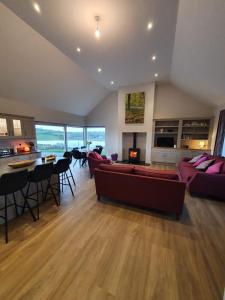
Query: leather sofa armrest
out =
(209, 185)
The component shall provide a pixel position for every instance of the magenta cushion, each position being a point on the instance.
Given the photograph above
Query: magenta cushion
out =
(200, 160)
(215, 169)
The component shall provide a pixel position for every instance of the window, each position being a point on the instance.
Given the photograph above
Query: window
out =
(50, 139)
(56, 139)
(75, 137)
(96, 135)
(223, 151)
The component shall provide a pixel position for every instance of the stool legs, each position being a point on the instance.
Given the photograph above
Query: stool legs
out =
(26, 203)
(6, 220)
(69, 183)
(71, 174)
(16, 208)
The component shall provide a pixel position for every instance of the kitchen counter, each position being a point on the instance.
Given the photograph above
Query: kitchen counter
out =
(19, 154)
(4, 168)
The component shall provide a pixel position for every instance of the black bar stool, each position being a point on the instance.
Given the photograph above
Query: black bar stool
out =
(60, 169)
(40, 174)
(10, 184)
(69, 155)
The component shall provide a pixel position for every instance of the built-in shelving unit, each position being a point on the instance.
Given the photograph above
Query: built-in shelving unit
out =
(176, 137)
(166, 128)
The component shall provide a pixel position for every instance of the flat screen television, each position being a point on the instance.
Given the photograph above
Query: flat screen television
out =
(165, 142)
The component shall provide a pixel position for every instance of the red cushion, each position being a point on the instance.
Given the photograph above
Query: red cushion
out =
(145, 171)
(215, 169)
(200, 160)
(96, 155)
(119, 168)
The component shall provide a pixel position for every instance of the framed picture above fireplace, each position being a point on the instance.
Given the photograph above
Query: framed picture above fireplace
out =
(134, 108)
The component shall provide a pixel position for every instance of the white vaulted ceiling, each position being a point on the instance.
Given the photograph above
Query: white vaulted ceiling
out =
(38, 53)
(199, 50)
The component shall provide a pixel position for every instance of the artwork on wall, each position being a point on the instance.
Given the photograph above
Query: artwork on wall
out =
(135, 108)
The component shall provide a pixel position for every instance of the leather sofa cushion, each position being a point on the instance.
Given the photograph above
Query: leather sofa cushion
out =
(119, 168)
(145, 171)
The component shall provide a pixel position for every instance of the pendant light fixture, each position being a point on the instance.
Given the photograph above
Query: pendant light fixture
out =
(97, 31)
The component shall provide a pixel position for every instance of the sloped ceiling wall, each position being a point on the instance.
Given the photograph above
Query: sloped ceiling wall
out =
(198, 64)
(35, 71)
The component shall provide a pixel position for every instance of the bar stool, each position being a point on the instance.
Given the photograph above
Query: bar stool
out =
(40, 174)
(10, 184)
(60, 169)
(69, 155)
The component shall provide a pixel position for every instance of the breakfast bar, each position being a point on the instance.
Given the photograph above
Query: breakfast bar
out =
(6, 169)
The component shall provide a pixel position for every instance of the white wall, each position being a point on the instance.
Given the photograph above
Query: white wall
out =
(167, 102)
(171, 102)
(149, 90)
(39, 113)
(106, 114)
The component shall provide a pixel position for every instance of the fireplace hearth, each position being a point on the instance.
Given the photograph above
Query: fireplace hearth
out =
(134, 153)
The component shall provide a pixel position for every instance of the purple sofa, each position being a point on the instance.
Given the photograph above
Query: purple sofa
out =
(200, 183)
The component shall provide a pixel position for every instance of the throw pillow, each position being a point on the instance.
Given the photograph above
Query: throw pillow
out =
(205, 164)
(215, 169)
(194, 159)
(200, 160)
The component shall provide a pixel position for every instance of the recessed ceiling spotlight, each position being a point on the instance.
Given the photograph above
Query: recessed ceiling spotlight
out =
(99, 70)
(97, 31)
(78, 49)
(150, 25)
(112, 82)
(37, 7)
(154, 57)
(156, 74)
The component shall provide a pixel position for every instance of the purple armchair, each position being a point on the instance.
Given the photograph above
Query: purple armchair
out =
(94, 160)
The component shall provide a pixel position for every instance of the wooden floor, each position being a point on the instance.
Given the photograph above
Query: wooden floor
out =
(91, 250)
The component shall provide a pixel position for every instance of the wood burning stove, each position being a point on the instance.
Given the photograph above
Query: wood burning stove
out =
(134, 153)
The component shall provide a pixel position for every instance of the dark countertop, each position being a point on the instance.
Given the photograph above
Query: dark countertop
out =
(19, 154)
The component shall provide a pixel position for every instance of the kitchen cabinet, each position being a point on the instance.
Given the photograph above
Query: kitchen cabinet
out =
(28, 127)
(16, 127)
(12, 127)
(4, 127)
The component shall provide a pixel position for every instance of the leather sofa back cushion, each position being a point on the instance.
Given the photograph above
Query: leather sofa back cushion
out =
(119, 168)
(166, 174)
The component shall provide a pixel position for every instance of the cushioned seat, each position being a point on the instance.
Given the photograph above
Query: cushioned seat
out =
(146, 171)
